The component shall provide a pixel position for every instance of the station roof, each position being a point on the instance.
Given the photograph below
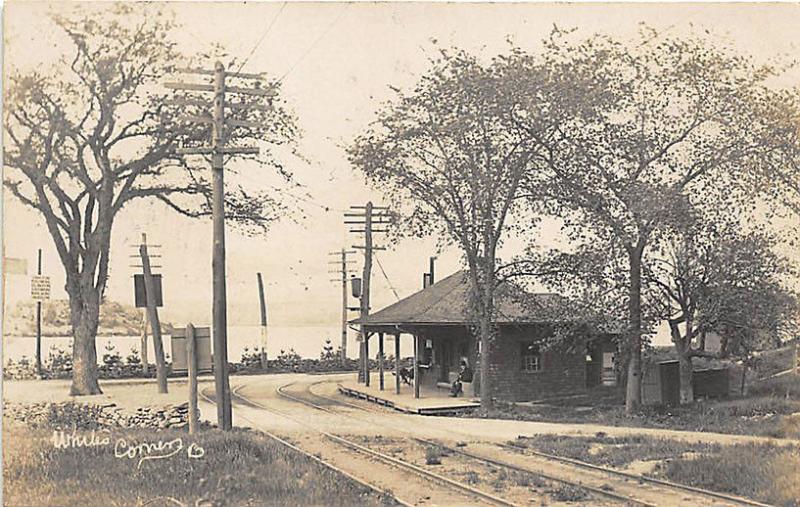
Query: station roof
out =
(446, 303)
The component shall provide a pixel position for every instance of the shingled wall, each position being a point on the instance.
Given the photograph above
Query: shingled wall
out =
(563, 371)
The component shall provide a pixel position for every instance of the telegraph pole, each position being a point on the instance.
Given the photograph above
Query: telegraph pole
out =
(39, 323)
(366, 216)
(144, 343)
(344, 270)
(152, 314)
(263, 305)
(217, 150)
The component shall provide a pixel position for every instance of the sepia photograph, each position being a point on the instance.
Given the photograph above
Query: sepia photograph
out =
(400, 254)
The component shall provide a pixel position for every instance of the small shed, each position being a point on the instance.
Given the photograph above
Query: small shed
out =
(661, 383)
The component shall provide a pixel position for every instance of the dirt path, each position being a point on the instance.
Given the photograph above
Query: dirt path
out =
(506, 430)
(395, 439)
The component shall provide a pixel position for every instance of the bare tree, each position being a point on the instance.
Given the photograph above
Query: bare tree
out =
(96, 133)
(445, 152)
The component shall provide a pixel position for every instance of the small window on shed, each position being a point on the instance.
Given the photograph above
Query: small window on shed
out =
(531, 356)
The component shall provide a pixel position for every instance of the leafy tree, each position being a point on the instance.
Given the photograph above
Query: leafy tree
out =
(640, 133)
(715, 279)
(446, 151)
(96, 132)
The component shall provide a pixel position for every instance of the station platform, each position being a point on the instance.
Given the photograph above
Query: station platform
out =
(432, 400)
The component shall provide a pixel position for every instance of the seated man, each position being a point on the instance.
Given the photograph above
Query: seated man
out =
(464, 375)
(407, 375)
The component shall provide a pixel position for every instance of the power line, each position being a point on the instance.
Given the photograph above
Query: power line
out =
(387, 278)
(313, 45)
(263, 36)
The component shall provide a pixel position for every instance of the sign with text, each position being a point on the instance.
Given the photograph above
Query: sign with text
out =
(202, 337)
(139, 293)
(40, 288)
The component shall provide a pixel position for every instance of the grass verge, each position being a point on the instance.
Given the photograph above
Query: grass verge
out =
(771, 414)
(763, 472)
(241, 468)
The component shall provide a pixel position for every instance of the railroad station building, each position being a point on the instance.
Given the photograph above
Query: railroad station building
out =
(527, 361)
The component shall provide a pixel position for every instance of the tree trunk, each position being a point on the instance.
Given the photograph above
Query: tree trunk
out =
(685, 378)
(85, 317)
(633, 390)
(486, 377)
(744, 378)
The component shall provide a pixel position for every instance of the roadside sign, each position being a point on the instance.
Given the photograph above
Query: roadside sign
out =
(40, 288)
(139, 294)
(202, 336)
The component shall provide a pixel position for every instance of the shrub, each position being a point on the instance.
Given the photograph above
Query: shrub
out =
(785, 386)
(569, 493)
(764, 472)
(59, 363)
(24, 369)
(433, 456)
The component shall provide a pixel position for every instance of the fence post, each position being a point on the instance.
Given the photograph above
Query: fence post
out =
(191, 362)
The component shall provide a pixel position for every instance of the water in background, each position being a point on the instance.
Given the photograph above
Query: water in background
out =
(306, 341)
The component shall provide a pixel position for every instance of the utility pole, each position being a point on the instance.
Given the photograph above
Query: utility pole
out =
(344, 270)
(144, 343)
(217, 150)
(366, 216)
(263, 306)
(39, 323)
(152, 314)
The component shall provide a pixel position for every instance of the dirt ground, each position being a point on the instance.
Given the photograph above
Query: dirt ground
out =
(388, 431)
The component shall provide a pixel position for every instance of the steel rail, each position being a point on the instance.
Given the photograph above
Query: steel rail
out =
(445, 481)
(574, 462)
(598, 491)
(375, 489)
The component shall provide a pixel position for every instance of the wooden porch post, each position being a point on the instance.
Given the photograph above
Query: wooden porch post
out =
(366, 359)
(397, 363)
(380, 359)
(416, 366)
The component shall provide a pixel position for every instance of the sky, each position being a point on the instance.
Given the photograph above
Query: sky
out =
(338, 62)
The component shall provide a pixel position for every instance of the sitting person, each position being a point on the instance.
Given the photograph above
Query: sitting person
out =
(464, 375)
(407, 375)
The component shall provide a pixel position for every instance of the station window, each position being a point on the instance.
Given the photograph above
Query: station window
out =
(531, 356)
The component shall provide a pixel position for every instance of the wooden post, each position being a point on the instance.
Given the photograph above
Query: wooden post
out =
(191, 362)
(152, 314)
(263, 305)
(380, 359)
(344, 309)
(397, 363)
(144, 344)
(219, 300)
(366, 359)
(39, 324)
(416, 366)
(796, 356)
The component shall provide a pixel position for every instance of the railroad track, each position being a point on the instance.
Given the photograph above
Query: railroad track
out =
(375, 489)
(472, 495)
(320, 402)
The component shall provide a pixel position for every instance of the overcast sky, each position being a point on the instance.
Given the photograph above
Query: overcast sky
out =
(338, 61)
